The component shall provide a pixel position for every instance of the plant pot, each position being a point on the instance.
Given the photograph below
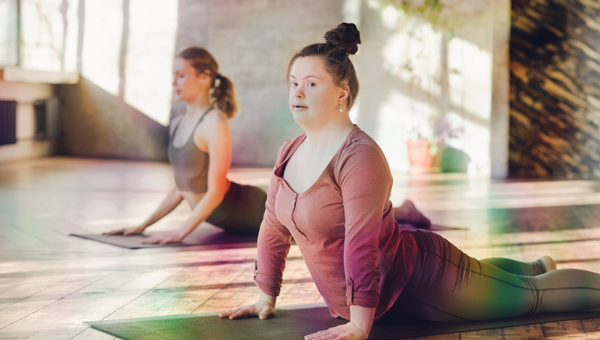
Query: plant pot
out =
(424, 156)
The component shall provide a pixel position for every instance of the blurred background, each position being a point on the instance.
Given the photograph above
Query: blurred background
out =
(491, 88)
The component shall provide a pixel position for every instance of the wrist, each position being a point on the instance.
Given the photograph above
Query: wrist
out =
(268, 299)
(364, 334)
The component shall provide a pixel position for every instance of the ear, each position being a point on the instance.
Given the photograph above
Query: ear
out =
(204, 77)
(344, 92)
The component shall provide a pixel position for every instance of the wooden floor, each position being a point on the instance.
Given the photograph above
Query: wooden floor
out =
(50, 283)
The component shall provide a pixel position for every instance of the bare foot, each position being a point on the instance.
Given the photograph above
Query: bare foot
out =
(407, 213)
(548, 263)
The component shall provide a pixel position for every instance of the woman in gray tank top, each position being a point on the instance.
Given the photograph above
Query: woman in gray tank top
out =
(200, 153)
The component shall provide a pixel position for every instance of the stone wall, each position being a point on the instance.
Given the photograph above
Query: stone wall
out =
(555, 89)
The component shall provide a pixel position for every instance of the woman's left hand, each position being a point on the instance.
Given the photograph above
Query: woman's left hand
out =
(164, 238)
(347, 331)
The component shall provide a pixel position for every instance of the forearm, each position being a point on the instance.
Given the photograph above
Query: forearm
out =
(202, 211)
(362, 317)
(170, 202)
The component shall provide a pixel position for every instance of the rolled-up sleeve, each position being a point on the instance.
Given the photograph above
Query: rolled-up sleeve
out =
(365, 181)
(272, 247)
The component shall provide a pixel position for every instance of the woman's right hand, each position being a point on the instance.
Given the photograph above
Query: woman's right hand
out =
(261, 308)
(126, 231)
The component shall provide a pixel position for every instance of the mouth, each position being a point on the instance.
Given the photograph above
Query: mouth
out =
(300, 107)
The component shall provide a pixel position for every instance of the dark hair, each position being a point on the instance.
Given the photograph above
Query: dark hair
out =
(339, 43)
(223, 91)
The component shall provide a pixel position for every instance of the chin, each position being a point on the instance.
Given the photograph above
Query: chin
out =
(300, 117)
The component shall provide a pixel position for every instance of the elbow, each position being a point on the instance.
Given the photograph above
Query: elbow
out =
(176, 193)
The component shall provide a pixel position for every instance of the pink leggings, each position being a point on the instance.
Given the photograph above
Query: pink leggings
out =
(449, 285)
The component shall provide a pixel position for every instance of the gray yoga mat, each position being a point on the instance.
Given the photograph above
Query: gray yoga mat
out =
(294, 322)
(203, 235)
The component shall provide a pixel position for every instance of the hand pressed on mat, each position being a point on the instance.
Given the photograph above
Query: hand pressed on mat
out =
(359, 327)
(126, 231)
(264, 308)
(348, 331)
(164, 238)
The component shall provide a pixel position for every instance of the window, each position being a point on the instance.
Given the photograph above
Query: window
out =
(49, 30)
(8, 32)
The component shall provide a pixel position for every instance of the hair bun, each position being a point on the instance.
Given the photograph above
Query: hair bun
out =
(345, 36)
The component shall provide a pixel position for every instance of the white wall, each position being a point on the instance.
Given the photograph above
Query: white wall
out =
(26, 147)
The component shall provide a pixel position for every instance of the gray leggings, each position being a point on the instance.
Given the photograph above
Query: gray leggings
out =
(449, 285)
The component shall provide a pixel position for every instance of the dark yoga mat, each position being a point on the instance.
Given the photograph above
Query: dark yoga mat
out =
(294, 322)
(203, 235)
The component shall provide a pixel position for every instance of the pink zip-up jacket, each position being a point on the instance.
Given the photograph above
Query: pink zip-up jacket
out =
(344, 226)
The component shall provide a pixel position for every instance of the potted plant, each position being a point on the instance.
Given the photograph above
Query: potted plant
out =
(425, 156)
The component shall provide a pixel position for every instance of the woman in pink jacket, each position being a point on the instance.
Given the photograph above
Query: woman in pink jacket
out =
(330, 191)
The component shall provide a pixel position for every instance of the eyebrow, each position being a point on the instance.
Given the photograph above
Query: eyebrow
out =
(309, 76)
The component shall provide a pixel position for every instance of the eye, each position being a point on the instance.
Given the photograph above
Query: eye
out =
(311, 84)
(294, 83)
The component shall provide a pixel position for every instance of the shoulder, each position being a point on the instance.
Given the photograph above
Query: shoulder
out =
(215, 122)
(215, 117)
(287, 147)
(213, 130)
(360, 144)
(362, 153)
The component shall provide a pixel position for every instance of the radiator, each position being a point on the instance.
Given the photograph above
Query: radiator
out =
(8, 122)
(47, 119)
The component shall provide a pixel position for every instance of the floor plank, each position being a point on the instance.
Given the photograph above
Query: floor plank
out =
(592, 328)
(564, 330)
(528, 332)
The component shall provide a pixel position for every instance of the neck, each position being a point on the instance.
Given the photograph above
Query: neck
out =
(198, 105)
(330, 134)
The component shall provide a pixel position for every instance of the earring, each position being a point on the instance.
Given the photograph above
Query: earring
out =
(341, 108)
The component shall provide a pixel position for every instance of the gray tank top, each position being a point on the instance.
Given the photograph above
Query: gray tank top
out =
(190, 164)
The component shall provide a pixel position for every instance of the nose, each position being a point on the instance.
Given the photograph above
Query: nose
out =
(298, 92)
